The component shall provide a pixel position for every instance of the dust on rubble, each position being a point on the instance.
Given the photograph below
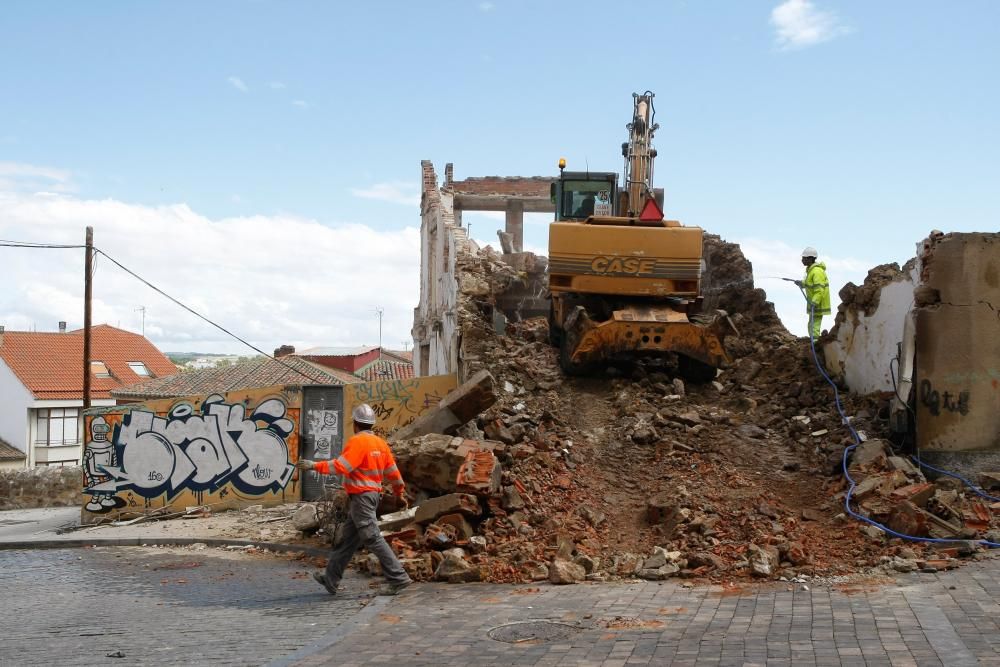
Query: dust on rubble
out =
(635, 473)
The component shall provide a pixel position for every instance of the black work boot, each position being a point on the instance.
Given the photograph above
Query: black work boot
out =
(394, 589)
(321, 578)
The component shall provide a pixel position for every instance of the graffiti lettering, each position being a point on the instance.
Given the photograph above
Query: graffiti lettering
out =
(935, 402)
(198, 452)
(382, 411)
(398, 391)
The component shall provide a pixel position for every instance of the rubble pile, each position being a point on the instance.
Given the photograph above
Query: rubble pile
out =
(635, 473)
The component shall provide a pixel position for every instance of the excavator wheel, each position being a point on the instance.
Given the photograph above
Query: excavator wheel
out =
(695, 371)
(567, 343)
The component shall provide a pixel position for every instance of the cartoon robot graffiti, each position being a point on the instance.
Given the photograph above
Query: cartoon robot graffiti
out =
(201, 452)
(99, 453)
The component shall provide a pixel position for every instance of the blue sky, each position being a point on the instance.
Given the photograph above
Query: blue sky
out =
(855, 127)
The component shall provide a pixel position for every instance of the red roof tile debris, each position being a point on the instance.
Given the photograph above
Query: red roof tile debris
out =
(49, 365)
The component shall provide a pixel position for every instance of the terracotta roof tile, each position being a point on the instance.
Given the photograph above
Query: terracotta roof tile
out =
(386, 368)
(249, 375)
(49, 364)
(10, 453)
(406, 355)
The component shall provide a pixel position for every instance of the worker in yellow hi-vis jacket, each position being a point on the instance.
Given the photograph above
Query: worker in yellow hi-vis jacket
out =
(817, 289)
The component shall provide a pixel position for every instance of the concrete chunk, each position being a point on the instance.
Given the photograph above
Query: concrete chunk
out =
(431, 509)
(460, 406)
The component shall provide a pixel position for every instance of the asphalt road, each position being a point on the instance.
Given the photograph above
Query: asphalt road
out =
(151, 606)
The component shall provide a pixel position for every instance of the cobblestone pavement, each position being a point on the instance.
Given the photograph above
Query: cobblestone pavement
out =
(166, 606)
(921, 619)
(182, 606)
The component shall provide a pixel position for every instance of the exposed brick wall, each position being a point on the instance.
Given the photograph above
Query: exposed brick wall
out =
(518, 186)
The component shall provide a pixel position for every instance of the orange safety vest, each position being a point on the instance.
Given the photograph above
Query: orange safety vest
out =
(364, 463)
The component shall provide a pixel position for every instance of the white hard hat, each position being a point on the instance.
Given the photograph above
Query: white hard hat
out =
(810, 252)
(363, 414)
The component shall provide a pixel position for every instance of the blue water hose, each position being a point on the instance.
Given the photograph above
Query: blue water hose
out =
(857, 441)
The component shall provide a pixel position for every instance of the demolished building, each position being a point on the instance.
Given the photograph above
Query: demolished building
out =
(738, 477)
(446, 249)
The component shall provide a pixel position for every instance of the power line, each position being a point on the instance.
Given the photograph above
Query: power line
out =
(97, 251)
(202, 317)
(29, 244)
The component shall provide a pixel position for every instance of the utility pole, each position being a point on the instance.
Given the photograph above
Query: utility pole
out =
(142, 311)
(88, 276)
(379, 311)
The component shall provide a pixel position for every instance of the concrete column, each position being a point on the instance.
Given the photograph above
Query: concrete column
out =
(515, 224)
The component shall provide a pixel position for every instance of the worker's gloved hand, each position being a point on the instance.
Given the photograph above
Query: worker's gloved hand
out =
(305, 464)
(798, 283)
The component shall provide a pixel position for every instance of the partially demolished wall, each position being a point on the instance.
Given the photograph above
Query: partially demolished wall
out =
(939, 318)
(869, 327)
(957, 329)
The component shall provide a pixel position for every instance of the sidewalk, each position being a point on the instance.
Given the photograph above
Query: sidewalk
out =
(47, 528)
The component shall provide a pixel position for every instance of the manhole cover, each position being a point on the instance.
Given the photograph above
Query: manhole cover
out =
(534, 632)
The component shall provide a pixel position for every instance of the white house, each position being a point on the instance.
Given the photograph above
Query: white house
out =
(41, 386)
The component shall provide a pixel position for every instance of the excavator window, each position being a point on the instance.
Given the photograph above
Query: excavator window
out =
(582, 199)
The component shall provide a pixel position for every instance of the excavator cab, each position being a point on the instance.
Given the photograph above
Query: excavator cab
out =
(580, 195)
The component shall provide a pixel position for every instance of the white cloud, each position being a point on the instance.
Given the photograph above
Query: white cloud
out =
(237, 83)
(300, 104)
(486, 6)
(276, 85)
(270, 279)
(773, 260)
(397, 192)
(799, 23)
(21, 177)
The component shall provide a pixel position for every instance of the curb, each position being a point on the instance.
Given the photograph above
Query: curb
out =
(78, 543)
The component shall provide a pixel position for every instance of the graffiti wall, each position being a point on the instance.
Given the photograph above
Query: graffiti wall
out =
(397, 403)
(224, 450)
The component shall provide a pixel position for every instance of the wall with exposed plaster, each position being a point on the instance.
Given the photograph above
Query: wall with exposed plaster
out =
(864, 344)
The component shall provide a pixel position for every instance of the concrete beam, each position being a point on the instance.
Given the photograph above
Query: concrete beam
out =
(500, 202)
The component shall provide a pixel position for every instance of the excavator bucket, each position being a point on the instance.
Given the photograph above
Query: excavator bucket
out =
(639, 329)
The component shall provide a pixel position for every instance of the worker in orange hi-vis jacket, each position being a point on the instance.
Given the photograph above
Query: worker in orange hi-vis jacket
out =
(365, 463)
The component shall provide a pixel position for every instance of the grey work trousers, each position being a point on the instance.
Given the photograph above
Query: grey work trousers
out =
(362, 529)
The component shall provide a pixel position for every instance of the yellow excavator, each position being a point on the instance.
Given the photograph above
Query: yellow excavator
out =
(623, 281)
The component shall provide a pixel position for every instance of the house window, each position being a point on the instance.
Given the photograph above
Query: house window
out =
(57, 426)
(99, 369)
(139, 368)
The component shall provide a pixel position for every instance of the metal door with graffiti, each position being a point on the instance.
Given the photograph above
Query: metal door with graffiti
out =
(322, 436)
